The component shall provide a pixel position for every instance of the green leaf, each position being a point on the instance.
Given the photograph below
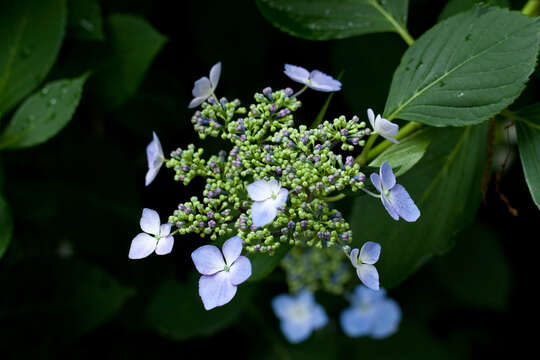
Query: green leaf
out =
(466, 270)
(176, 311)
(6, 226)
(403, 156)
(263, 264)
(466, 69)
(528, 133)
(30, 38)
(454, 7)
(445, 186)
(43, 114)
(134, 44)
(84, 20)
(329, 19)
(65, 299)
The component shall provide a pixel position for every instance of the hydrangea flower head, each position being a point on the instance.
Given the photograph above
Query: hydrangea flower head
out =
(299, 315)
(154, 154)
(363, 260)
(315, 79)
(383, 127)
(395, 198)
(220, 277)
(205, 87)
(267, 197)
(156, 237)
(371, 314)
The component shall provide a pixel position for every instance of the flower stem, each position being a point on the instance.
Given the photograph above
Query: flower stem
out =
(333, 198)
(362, 158)
(406, 130)
(370, 193)
(531, 7)
(299, 92)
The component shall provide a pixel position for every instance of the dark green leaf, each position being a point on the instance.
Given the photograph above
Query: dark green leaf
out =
(263, 264)
(476, 271)
(30, 38)
(6, 226)
(43, 114)
(454, 7)
(403, 156)
(84, 20)
(61, 299)
(177, 311)
(328, 19)
(134, 44)
(528, 133)
(445, 185)
(466, 69)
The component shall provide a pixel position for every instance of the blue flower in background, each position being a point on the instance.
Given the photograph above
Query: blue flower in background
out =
(363, 261)
(299, 315)
(156, 237)
(371, 314)
(267, 197)
(221, 276)
(383, 127)
(205, 87)
(315, 80)
(155, 157)
(394, 197)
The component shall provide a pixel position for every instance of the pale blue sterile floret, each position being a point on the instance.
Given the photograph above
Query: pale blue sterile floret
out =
(156, 237)
(316, 80)
(299, 315)
(371, 314)
(220, 277)
(383, 127)
(394, 197)
(154, 154)
(363, 260)
(267, 197)
(205, 87)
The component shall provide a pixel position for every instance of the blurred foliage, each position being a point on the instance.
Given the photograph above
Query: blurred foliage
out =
(70, 204)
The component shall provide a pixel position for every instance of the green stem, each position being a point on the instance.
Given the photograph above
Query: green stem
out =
(531, 7)
(406, 130)
(299, 92)
(400, 29)
(333, 198)
(362, 158)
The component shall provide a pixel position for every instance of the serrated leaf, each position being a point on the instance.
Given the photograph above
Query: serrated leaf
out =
(30, 38)
(454, 7)
(176, 310)
(43, 114)
(445, 185)
(465, 271)
(263, 264)
(403, 156)
(59, 300)
(133, 45)
(528, 134)
(328, 19)
(84, 20)
(466, 69)
(6, 226)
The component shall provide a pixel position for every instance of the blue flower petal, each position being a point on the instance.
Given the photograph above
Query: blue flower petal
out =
(322, 82)
(208, 259)
(215, 73)
(263, 212)
(388, 180)
(389, 208)
(240, 271)
(376, 181)
(369, 275)
(386, 129)
(155, 158)
(386, 319)
(295, 331)
(142, 245)
(363, 295)
(232, 248)
(281, 305)
(216, 290)
(202, 88)
(165, 245)
(355, 322)
(402, 204)
(370, 252)
(297, 73)
(319, 317)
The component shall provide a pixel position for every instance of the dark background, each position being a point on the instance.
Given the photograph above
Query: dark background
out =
(85, 188)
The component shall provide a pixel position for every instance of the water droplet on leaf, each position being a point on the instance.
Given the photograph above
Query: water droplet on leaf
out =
(460, 94)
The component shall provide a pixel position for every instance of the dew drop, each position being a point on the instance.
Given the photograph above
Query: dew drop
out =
(44, 91)
(52, 101)
(31, 117)
(460, 94)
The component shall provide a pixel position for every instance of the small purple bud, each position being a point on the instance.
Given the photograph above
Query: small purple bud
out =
(367, 131)
(303, 223)
(181, 177)
(253, 228)
(267, 91)
(349, 161)
(304, 140)
(355, 141)
(211, 224)
(284, 230)
(286, 132)
(181, 207)
(226, 212)
(257, 247)
(237, 163)
(284, 112)
(331, 179)
(318, 147)
(211, 100)
(210, 194)
(278, 170)
(360, 177)
(272, 108)
(355, 119)
(288, 91)
(344, 132)
(316, 158)
(243, 137)
(201, 224)
(291, 224)
(187, 210)
(291, 176)
(210, 215)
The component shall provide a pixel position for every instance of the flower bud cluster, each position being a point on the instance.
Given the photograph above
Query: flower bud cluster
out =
(315, 269)
(266, 145)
